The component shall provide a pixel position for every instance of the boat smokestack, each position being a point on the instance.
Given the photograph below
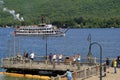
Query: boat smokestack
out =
(42, 19)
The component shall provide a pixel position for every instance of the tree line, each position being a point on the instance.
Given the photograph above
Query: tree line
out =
(81, 22)
(65, 13)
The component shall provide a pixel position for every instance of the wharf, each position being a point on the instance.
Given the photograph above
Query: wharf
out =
(8, 63)
(79, 71)
(15, 65)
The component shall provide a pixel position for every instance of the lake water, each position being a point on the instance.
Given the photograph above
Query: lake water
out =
(75, 41)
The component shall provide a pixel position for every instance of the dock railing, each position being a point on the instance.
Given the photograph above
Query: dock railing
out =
(83, 73)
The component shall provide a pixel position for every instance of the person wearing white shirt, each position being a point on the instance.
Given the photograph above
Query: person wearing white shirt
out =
(54, 57)
(32, 56)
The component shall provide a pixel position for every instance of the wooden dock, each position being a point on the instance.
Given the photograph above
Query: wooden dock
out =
(38, 65)
(79, 70)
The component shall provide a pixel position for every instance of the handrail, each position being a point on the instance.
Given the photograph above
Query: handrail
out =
(87, 72)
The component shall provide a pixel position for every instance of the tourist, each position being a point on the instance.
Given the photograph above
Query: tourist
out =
(107, 62)
(54, 57)
(118, 61)
(25, 56)
(115, 65)
(18, 57)
(74, 59)
(78, 58)
(32, 56)
(26, 60)
(50, 57)
(60, 57)
(69, 74)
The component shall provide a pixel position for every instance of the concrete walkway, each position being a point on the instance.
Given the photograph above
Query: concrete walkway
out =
(110, 75)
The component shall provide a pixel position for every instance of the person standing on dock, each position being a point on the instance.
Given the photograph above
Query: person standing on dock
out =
(32, 56)
(60, 57)
(50, 57)
(69, 74)
(54, 57)
(78, 61)
(115, 66)
(78, 58)
(25, 57)
(107, 62)
(74, 59)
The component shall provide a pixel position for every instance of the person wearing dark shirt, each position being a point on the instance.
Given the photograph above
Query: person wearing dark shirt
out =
(107, 62)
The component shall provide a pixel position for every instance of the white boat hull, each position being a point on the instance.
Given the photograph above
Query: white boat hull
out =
(39, 34)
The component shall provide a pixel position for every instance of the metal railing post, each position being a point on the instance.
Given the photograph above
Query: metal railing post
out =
(100, 56)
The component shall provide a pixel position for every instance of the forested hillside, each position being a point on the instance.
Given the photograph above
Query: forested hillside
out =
(64, 13)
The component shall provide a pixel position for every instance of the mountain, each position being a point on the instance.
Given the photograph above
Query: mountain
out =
(79, 13)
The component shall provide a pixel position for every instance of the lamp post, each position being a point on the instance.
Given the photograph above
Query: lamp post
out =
(89, 38)
(100, 56)
(89, 56)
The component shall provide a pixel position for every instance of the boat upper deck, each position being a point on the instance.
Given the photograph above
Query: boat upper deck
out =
(39, 30)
